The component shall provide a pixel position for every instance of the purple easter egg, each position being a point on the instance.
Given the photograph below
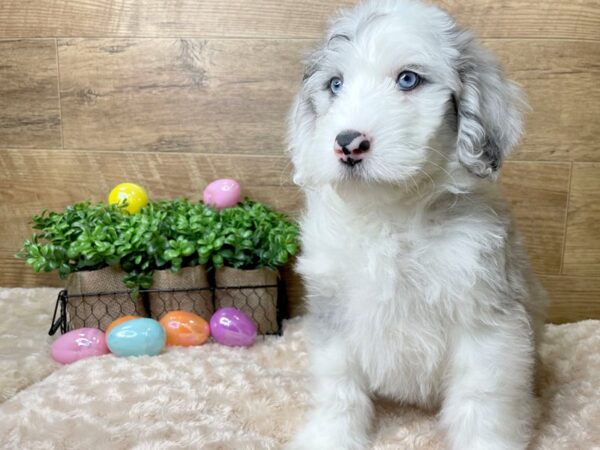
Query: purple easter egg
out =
(232, 327)
(79, 344)
(222, 193)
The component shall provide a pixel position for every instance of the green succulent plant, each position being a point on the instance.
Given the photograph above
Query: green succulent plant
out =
(255, 236)
(167, 234)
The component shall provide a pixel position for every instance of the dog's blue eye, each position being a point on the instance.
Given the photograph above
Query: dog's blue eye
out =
(335, 85)
(408, 80)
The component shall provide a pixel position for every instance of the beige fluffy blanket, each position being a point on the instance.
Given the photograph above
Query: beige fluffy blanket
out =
(213, 397)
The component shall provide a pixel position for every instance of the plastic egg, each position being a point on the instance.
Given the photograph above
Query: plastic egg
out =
(118, 321)
(79, 344)
(185, 328)
(135, 196)
(232, 327)
(137, 337)
(222, 193)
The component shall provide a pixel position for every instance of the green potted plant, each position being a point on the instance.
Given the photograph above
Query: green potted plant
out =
(252, 242)
(88, 245)
(176, 256)
(170, 244)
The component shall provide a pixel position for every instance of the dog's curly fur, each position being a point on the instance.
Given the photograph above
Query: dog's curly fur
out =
(418, 286)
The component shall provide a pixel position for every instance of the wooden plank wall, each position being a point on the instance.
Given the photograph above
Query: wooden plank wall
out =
(174, 93)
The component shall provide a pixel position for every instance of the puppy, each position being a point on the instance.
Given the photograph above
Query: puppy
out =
(418, 287)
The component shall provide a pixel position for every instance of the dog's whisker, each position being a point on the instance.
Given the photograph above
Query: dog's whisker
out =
(438, 152)
(433, 183)
(283, 178)
(444, 170)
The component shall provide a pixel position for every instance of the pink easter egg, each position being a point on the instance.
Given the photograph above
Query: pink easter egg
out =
(232, 327)
(222, 193)
(79, 344)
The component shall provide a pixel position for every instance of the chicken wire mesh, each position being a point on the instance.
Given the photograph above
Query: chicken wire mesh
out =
(265, 304)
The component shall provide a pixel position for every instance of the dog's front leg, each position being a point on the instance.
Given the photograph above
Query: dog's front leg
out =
(343, 410)
(489, 403)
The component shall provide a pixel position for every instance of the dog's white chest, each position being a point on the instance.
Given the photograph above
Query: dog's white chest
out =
(403, 344)
(396, 286)
(389, 307)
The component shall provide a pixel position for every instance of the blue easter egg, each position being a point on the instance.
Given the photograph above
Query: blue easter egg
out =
(137, 337)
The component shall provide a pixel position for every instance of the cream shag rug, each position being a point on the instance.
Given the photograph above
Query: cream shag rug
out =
(214, 397)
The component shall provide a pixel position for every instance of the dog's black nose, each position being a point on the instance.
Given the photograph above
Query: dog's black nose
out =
(345, 138)
(351, 144)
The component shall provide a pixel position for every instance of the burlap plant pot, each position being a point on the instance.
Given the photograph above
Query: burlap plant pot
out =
(198, 302)
(98, 311)
(258, 302)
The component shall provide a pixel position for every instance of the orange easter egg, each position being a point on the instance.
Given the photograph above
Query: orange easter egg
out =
(185, 328)
(118, 321)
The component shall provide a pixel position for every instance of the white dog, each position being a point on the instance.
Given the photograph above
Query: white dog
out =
(418, 286)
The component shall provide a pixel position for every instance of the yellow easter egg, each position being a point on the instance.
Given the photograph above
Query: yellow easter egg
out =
(134, 195)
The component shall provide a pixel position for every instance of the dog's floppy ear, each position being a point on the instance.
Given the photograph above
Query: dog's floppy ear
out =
(488, 108)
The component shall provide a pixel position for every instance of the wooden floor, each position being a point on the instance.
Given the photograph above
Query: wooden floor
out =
(175, 93)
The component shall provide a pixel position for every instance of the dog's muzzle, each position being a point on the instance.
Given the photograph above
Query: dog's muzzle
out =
(351, 146)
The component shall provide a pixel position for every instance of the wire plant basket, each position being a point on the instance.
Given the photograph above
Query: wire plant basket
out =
(72, 310)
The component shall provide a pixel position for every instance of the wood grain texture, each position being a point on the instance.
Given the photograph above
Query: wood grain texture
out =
(216, 96)
(166, 18)
(537, 194)
(277, 19)
(177, 94)
(555, 19)
(582, 249)
(29, 107)
(572, 298)
(561, 81)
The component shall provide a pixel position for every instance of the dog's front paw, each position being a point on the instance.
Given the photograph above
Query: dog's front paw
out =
(328, 435)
